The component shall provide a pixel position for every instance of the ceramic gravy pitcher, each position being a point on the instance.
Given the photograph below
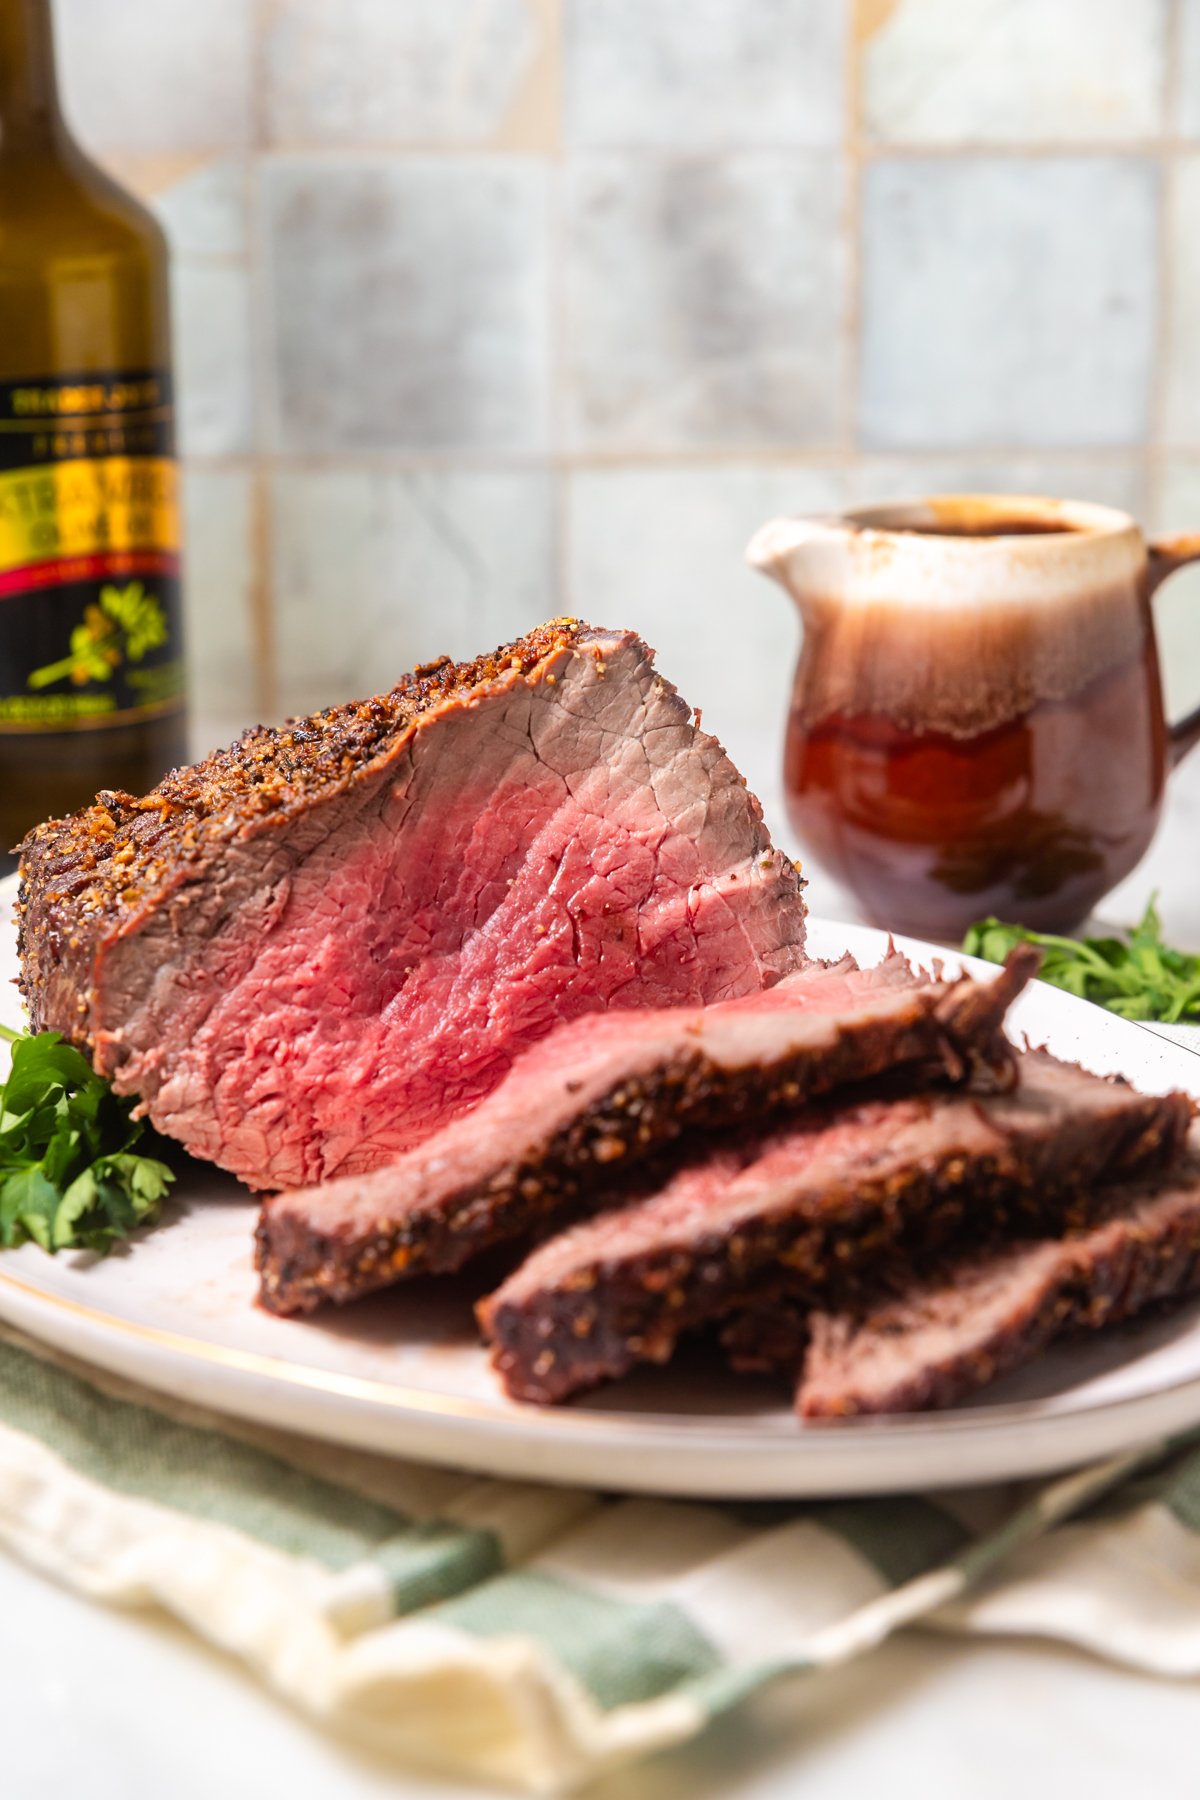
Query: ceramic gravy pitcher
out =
(977, 721)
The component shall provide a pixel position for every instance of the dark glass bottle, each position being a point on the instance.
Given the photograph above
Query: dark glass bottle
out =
(91, 667)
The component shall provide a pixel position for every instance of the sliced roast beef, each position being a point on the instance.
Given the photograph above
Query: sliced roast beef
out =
(601, 1094)
(944, 1336)
(818, 1197)
(766, 1333)
(310, 950)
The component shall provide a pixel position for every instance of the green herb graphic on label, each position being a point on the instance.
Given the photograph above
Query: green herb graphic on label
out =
(124, 626)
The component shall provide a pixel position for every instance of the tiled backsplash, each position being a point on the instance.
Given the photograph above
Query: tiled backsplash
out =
(491, 309)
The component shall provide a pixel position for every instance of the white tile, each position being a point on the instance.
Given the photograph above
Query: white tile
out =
(1187, 74)
(155, 75)
(394, 71)
(1178, 508)
(712, 74)
(1113, 481)
(375, 572)
(218, 575)
(1041, 71)
(1183, 306)
(409, 303)
(703, 302)
(204, 212)
(663, 551)
(213, 374)
(1008, 302)
(1177, 604)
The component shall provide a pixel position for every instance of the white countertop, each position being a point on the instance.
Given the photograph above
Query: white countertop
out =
(128, 1707)
(119, 1707)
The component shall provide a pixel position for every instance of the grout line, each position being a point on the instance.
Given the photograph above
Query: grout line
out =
(373, 157)
(563, 587)
(1156, 432)
(262, 578)
(264, 12)
(1029, 149)
(1172, 48)
(402, 462)
(559, 349)
(262, 612)
(852, 234)
(869, 150)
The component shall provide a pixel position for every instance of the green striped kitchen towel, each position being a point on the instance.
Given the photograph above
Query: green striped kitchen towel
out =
(535, 1636)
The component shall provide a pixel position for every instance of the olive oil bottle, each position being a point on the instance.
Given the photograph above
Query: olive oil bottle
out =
(91, 666)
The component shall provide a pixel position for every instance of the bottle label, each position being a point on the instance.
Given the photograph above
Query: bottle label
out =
(90, 628)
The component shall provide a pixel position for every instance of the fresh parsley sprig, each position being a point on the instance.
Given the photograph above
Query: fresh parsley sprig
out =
(1136, 975)
(69, 1176)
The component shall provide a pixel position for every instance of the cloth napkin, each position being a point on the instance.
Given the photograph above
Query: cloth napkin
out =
(535, 1636)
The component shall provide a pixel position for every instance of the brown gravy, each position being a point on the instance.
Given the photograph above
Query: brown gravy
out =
(995, 528)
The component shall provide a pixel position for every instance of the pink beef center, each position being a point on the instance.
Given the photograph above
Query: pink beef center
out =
(395, 990)
(730, 1183)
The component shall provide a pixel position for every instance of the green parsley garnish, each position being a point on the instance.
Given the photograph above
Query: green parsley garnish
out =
(1136, 975)
(69, 1178)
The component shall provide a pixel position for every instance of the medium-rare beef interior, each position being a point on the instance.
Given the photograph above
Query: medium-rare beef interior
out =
(600, 1094)
(819, 1196)
(310, 950)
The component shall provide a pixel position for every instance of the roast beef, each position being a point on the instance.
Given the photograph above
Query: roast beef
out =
(600, 1094)
(819, 1197)
(947, 1335)
(310, 950)
(767, 1333)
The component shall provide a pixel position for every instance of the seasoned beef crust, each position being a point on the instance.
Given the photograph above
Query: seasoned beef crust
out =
(602, 1094)
(90, 876)
(768, 1333)
(307, 953)
(927, 1341)
(823, 1198)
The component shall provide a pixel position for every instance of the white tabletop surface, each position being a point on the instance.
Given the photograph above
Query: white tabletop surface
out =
(128, 1707)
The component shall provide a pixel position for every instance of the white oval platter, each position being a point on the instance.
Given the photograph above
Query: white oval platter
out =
(403, 1373)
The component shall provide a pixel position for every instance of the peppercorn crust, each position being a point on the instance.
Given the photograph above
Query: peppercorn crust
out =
(424, 1216)
(823, 1198)
(88, 879)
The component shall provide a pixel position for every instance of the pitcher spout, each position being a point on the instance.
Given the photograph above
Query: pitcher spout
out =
(796, 553)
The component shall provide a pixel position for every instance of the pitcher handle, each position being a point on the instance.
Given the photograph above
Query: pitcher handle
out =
(1165, 556)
